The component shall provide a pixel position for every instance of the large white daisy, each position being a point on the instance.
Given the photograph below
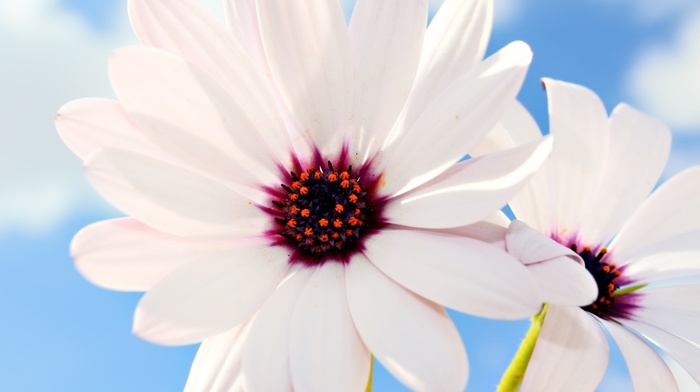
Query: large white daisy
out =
(291, 180)
(593, 197)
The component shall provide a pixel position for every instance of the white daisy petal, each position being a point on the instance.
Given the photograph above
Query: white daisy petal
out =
(579, 124)
(308, 51)
(673, 309)
(266, 354)
(172, 199)
(242, 20)
(682, 351)
(515, 127)
(124, 254)
(386, 38)
(648, 371)
(413, 338)
(457, 272)
(638, 149)
(531, 246)
(669, 211)
(88, 124)
(563, 281)
(571, 353)
(672, 257)
(185, 28)
(485, 231)
(481, 185)
(218, 363)
(326, 353)
(187, 113)
(455, 121)
(186, 306)
(455, 41)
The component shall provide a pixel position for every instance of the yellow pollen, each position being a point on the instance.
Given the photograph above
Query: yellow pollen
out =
(323, 222)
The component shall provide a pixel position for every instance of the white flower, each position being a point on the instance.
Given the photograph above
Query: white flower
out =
(592, 196)
(288, 187)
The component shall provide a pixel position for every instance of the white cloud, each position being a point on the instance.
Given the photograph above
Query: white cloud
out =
(651, 11)
(664, 79)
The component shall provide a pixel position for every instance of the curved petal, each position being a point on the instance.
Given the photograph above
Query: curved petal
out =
(454, 122)
(386, 38)
(648, 371)
(172, 199)
(217, 367)
(326, 353)
(563, 281)
(88, 124)
(124, 254)
(685, 353)
(530, 246)
(571, 353)
(455, 42)
(673, 257)
(187, 113)
(308, 51)
(469, 191)
(579, 123)
(515, 127)
(485, 231)
(186, 28)
(413, 338)
(673, 309)
(638, 149)
(211, 295)
(266, 354)
(457, 272)
(672, 209)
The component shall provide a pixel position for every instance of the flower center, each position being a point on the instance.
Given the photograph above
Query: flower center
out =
(323, 212)
(605, 275)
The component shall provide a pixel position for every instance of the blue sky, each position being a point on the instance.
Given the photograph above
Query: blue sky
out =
(61, 333)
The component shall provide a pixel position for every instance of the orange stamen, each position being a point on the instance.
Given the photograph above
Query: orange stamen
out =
(332, 177)
(305, 212)
(338, 208)
(292, 223)
(323, 222)
(352, 198)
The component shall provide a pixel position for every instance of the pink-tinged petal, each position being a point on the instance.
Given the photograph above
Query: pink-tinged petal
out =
(579, 123)
(172, 199)
(242, 20)
(207, 297)
(485, 231)
(638, 149)
(470, 190)
(515, 127)
(671, 210)
(326, 352)
(673, 309)
(413, 338)
(457, 272)
(673, 257)
(648, 371)
(386, 38)
(685, 353)
(124, 254)
(454, 122)
(217, 367)
(563, 281)
(530, 246)
(308, 51)
(571, 353)
(189, 115)
(187, 29)
(266, 354)
(455, 42)
(88, 124)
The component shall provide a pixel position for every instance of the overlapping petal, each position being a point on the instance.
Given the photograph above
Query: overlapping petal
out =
(412, 337)
(458, 272)
(186, 306)
(455, 121)
(571, 353)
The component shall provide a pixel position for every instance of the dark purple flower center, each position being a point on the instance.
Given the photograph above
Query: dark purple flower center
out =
(605, 275)
(323, 212)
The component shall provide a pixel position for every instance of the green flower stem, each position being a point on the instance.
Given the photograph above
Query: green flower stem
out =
(371, 372)
(513, 377)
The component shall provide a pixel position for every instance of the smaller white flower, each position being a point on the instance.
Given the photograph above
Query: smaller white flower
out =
(592, 198)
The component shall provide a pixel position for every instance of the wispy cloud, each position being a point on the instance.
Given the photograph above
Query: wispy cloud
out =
(652, 11)
(664, 78)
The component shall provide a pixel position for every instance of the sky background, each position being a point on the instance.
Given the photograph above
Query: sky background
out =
(60, 333)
